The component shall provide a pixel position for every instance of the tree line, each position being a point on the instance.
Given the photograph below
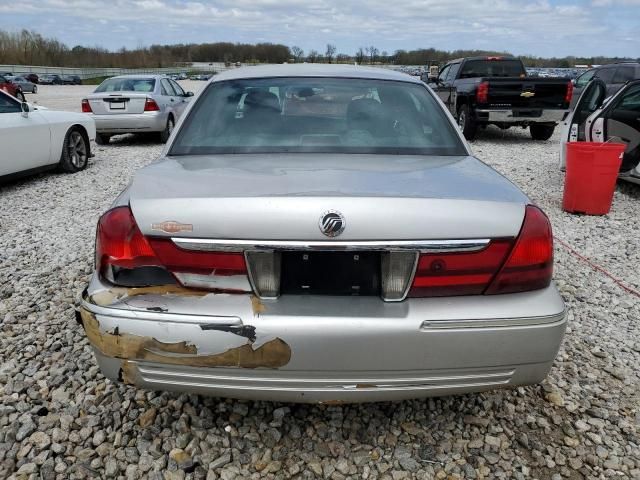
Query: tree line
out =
(30, 48)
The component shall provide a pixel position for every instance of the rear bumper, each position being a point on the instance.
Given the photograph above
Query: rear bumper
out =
(130, 122)
(322, 349)
(511, 116)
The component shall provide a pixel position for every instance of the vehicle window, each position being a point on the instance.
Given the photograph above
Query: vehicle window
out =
(492, 68)
(177, 88)
(605, 74)
(3, 80)
(453, 72)
(167, 89)
(19, 79)
(624, 74)
(127, 85)
(630, 100)
(328, 115)
(8, 105)
(444, 73)
(585, 78)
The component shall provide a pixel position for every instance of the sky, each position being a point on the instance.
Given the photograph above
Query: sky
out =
(546, 28)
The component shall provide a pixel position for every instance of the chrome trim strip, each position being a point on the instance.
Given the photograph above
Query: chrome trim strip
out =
(423, 246)
(430, 325)
(160, 316)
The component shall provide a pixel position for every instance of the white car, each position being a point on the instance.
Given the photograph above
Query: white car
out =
(600, 118)
(34, 139)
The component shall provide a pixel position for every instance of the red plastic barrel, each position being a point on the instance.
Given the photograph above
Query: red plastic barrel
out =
(592, 170)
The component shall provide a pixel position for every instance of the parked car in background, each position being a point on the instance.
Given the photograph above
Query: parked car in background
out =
(32, 77)
(322, 233)
(71, 80)
(6, 85)
(25, 85)
(597, 117)
(33, 139)
(50, 79)
(614, 76)
(481, 91)
(136, 104)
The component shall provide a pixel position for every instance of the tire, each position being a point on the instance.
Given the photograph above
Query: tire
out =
(20, 96)
(35, 89)
(541, 132)
(75, 151)
(102, 138)
(166, 133)
(467, 123)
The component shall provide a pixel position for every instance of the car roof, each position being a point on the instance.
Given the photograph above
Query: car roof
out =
(139, 76)
(314, 70)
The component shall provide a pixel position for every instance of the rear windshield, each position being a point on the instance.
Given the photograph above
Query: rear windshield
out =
(333, 115)
(492, 68)
(127, 85)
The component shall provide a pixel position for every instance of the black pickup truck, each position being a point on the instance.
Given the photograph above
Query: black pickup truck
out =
(480, 91)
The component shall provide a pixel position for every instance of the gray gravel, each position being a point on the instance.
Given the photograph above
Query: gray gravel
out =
(59, 418)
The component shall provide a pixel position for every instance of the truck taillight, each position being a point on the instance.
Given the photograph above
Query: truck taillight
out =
(86, 107)
(150, 105)
(482, 92)
(530, 263)
(120, 245)
(569, 92)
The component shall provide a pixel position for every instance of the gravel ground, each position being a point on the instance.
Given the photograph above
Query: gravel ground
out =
(59, 418)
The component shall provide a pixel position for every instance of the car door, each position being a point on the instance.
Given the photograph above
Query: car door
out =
(439, 86)
(181, 98)
(25, 139)
(169, 96)
(619, 121)
(573, 130)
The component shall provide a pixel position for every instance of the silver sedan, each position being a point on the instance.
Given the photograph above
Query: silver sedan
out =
(25, 85)
(136, 104)
(322, 233)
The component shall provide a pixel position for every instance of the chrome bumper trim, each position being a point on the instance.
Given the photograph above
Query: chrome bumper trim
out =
(493, 322)
(507, 116)
(423, 246)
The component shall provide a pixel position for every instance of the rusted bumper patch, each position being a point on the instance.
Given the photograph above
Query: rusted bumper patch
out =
(274, 353)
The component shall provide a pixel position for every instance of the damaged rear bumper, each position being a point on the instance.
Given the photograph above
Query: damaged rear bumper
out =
(321, 349)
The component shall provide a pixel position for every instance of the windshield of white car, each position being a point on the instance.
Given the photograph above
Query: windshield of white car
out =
(492, 68)
(127, 85)
(317, 115)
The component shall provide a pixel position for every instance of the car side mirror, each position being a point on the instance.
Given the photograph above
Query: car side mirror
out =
(188, 94)
(24, 107)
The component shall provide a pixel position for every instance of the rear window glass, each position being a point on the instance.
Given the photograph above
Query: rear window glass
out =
(624, 74)
(337, 115)
(492, 68)
(127, 85)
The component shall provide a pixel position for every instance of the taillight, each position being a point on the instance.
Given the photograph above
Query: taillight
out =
(86, 107)
(122, 249)
(120, 243)
(482, 92)
(530, 264)
(569, 93)
(150, 105)
(463, 273)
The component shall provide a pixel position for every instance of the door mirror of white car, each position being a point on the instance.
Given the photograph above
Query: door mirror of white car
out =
(188, 94)
(24, 107)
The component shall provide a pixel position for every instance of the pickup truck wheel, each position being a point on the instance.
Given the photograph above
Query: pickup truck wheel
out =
(102, 139)
(467, 123)
(541, 132)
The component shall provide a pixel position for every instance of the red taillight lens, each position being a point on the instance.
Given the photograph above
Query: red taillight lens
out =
(177, 260)
(120, 243)
(569, 94)
(530, 264)
(150, 105)
(482, 92)
(462, 273)
(86, 107)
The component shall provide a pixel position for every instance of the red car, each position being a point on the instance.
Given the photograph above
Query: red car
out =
(11, 88)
